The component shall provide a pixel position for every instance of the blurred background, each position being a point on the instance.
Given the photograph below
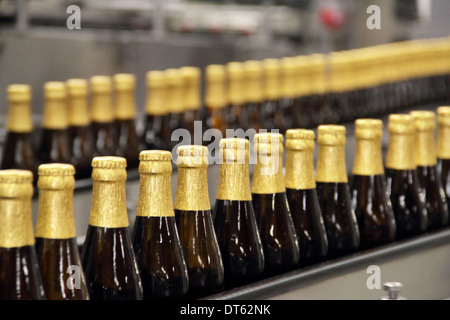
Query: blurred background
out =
(136, 36)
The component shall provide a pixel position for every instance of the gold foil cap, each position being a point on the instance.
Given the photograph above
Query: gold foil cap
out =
(124, 82)
(100, 84)
(155, 161)
(331, 166)
(443, 136)
(424, 120)
(443, 116)
(109, 162)
(234, 177)
(368, 155)
(174, 95)
(191, 87)
(368, 128)
(19, 93)
(216, 96)
(299, 159)
(19, 113)
(235, 75)
(156, 103)
(268, 143)
(55, 109)
(401, 124)
(192, 156)
(329, 134)
(56, 169)
(77, 87)
(56, 176)
(16, 225)
(271, 69)
(109, 168)
(300, 139)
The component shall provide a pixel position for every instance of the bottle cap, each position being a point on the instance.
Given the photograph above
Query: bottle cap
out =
(124, 82)
(19, 113)
(77, 87)
(330, 134)
(368, 128)
(300, 139)
(19, 93)
(234, 150)
(191, 80)
(424, 120)
(55, 109)
(100, 84)
(215, 86)
(401, 124)
(109, 162)
(192, 156)
(268, 143)
(55, 90)
(174, 95)
(156, 103)
(155, 79)
(443, 116)
(15, 176)
(155, 161)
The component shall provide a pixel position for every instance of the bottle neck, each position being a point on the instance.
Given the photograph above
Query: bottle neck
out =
(156, 102)
(55, 115)
(16, 215)
(236, 91)
(101, 107)
(19, 117)
(331, 165)
(175, 99)
(55, 218)
(192, 96)
(125, 105)
(108, 207)
(192, 189)
(299, 173)
(368, 159)
(268, 174)
(155, 195)
(253, 90)
(234, 182)
(272, 88)
(401, 154)
(216, 95)
(443, 142)
(78, 112)
(425, 148)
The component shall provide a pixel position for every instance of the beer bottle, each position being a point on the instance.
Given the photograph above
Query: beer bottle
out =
(157, 133)
(216, 98)
(103, 129)
(195, 225)
(276, 228)
(175, 101)
(334, 192)
(156, 243)
(273, 118)
(368, 186)
(107, 254)
(54, 145)
(402, 179)
(288, 103)
(237, 116)
(443, 149)
(56, 245)
(302, 196)
(18, 151)
(191, 96)
(253, 75)
(80, 135)
(124, 118)
(20, 277)
(426, 161)
(234, 218)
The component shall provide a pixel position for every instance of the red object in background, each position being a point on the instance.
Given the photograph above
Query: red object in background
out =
(332, 18)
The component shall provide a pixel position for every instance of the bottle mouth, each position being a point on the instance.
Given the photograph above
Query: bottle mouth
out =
(192, 156)
(424, 120)
(109, 162)
(330, 134)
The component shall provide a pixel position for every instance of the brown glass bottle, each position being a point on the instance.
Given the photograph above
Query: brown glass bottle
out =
(127, 144)
(56, 244)
(195, 225)
(273, 118)
(54, 145)
(156, 242)
(275, 225)
(443, 149)
(191, 96)
(216, 98)
(302, 196)
(402, 179)
(157, 133)
(253, 86)
(175, 103)
(104, 133)
(18, 150)
(334, 192)
(107, 254)
(237, 116)
(20, 277)
(234, 218)
(80, 136)
(368, 186)
(426, 161)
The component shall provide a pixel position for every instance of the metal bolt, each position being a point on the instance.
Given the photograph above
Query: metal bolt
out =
(393, 289)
